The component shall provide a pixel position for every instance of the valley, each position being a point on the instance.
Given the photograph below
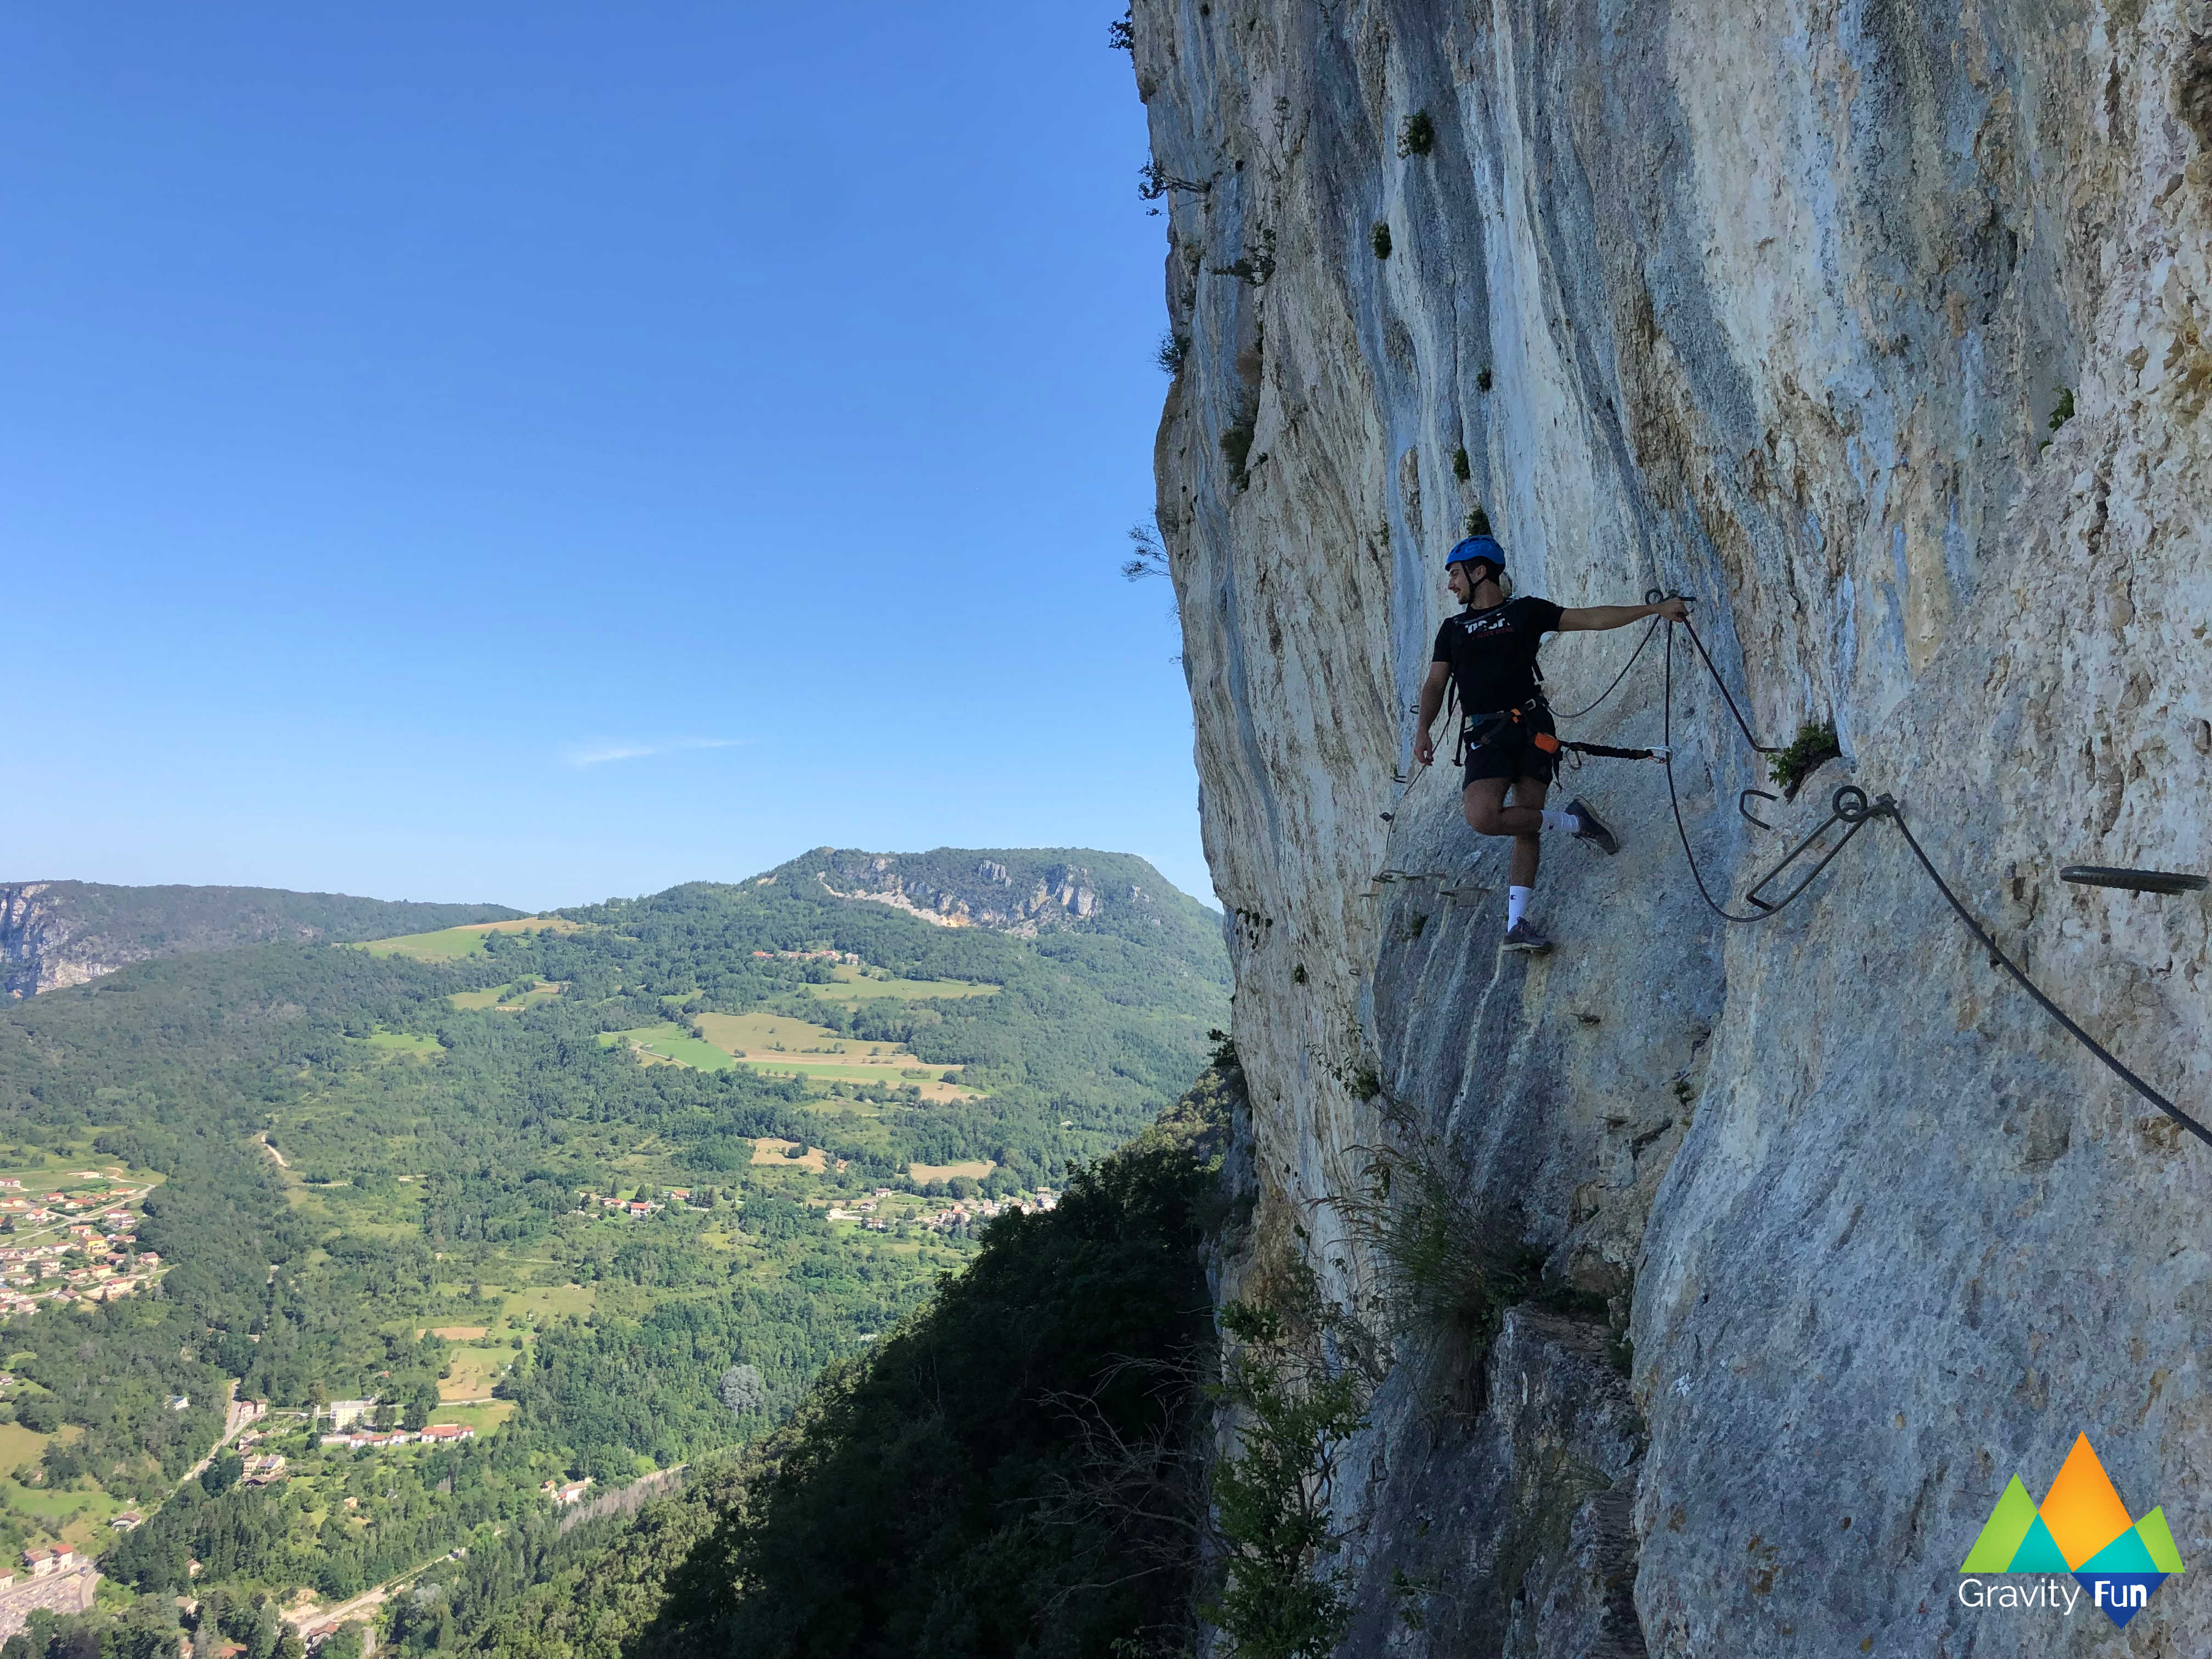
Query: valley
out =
(481, 1213)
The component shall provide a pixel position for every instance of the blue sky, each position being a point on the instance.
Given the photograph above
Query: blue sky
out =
(540, 452)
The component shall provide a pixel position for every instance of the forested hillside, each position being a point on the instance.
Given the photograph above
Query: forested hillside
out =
(64, 933)
(1016, 1469)
(592, 1196)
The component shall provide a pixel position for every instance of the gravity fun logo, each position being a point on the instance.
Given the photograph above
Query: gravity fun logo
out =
(2082, 1529)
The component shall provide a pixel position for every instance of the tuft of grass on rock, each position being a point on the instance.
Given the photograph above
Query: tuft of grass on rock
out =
(1236, 447)
(1417, 137)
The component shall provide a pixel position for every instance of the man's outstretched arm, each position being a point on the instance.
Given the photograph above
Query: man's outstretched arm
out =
(1432, 699)
(1596, 618)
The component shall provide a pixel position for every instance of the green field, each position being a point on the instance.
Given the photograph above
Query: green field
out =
(504, 997)
(76, 1515)
(19, 1445)
(668, 1041)
(854, 986)
(755, 1036)
(475, 1367)
(837, 1071)
(484, 1416)
(543, 1301)
(777, 1045)
(453, 944)
(401, 1043)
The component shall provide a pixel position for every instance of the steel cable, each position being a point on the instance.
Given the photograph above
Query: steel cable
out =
(1760, 748)
(1617, 678)
(1884, 808)
(1674, 800)
(1888, 809)
(1897, 817)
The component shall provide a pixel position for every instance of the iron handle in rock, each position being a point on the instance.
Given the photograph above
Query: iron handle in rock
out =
(2136, 881)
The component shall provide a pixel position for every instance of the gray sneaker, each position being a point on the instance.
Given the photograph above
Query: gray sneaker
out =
(1593, 830)
(1522, 937)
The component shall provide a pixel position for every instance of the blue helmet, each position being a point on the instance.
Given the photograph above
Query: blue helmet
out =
(1485, 548)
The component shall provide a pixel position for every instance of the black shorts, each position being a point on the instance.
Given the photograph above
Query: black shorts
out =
(1508, 750)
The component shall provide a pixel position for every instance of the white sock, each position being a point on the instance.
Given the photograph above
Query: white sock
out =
(1516, 902)
(1557, 818)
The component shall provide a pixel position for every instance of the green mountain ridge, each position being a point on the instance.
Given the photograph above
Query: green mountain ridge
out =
(390, 1175)
(64, 933)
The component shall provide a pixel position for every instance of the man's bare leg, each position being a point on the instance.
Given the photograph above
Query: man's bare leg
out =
(1487, 814)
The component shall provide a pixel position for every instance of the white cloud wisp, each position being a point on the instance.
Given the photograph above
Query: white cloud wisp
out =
(598, 751)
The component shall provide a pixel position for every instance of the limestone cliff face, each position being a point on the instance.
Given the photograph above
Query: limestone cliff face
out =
(1777, 307)
(1024, 892)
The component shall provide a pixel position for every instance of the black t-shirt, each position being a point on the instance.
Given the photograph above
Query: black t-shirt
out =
(1492, 652)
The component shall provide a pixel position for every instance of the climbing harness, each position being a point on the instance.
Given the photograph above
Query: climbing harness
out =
(1475, 729)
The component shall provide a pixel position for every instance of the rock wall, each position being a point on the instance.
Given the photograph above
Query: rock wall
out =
(1882, 327)
(1026, 892)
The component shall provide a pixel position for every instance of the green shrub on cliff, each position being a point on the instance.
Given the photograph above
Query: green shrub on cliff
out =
(1815, 745)
(1298, 1379)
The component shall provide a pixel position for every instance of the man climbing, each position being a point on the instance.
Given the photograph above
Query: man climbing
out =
(1490, 649)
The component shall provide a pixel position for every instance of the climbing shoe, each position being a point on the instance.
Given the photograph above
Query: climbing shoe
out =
(1522, 937)
(1592, 830)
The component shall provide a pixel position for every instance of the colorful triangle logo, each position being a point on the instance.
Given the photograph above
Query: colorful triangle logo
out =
(2081, 1527)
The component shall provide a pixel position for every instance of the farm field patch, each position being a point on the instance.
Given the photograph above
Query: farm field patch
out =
(507, 998)
(769, 1150)
(20, 1445)
(757, 1036)
(855, 985)
(777, 1045)
(545, 1301)
(454, 943)
(974, 1170)
(927, 1079)
(669, 1042)
(78, 1516)
(475, 1368)
(484, 1416)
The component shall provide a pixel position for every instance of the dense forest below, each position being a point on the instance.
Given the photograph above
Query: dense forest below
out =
(501, 1179)
(1016, 1470)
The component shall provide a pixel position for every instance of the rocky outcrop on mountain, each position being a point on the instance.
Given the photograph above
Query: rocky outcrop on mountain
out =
(65, 933)
(1021, 893)
(1887, 332)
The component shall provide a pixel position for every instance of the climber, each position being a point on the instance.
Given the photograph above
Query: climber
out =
(1490, 649)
